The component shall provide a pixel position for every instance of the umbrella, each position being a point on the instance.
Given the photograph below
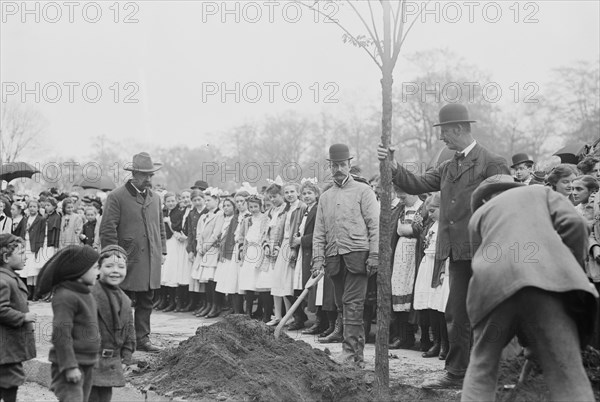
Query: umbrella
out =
(13, 170)
(100, 183)
(571, 153)
(440, 156)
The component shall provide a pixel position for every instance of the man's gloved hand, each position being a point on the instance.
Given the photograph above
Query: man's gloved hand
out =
(372, 263)
(318, 266)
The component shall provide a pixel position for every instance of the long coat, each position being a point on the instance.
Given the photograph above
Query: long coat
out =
(306, 244)
(121, 339)
(135, 223)
(540, 243)
(18, 340)
(456, 180)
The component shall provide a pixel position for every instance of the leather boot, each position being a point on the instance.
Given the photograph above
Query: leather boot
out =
(331, 318)
(319, 324)
(444, 345)
(172, 302)
(159, 299)
(434, 350)
(205, 310)
(191, 306)
(180, 300)
(164, 301)
(337, 335)
(215, 311)
(238, 304)
(171, 306)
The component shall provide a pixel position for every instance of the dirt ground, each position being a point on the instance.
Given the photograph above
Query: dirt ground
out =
(239, 359)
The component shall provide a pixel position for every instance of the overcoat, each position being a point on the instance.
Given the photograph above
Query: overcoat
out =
(207, 237)
(118, 338)
(540, 243)
(135, 223)
(18, 340)
(456, 179)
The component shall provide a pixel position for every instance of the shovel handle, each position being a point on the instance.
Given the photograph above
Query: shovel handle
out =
(310, 283)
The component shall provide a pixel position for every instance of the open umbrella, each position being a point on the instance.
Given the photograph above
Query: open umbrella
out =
(13, 170)
(571, 153)
(100, 183)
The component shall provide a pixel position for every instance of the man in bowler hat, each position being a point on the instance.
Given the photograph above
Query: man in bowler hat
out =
(346, 246)
(133, 220)
(522, 165)
(456, 179)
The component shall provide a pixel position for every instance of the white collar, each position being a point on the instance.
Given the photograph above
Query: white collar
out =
(468, 149)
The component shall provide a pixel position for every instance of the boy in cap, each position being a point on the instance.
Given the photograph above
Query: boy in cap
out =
(16, 322)
(528, 280)
(75, 334)
(115, 318)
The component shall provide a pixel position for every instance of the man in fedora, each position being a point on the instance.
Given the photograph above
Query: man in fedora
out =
(346, 246)
(456, 179)
(133, 220)
(522, 165)
(539, 293)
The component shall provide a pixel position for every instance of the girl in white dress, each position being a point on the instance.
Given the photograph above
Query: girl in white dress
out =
(226, 274)
(283, 270)
(168, 275)
(271, 243)
(431, 290)
(251, 232)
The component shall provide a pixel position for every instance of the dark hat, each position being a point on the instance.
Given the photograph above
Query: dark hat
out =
(68, 264)
(114, 249)
(200, 185)
(142, 162)
(453, 113)
(491, 185)
(538, 177)
(520, 158)
(339, 152)
(7, 238)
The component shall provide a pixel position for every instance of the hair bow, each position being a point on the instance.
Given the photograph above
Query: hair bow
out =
(309, 180)
(278, 180)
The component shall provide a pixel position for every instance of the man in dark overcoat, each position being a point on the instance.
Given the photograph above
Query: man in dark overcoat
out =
(133, 219)
(456, 179)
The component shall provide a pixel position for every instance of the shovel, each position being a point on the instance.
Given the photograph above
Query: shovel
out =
(309, 284)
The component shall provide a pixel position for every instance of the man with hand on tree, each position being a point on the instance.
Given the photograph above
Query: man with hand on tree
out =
(456, 179)
(346, 246)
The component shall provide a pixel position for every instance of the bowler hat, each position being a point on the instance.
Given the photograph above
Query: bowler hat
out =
(142, 162)
(520, 158)
(339, 152)
(491, 185)
(200, 185)
(453, 113)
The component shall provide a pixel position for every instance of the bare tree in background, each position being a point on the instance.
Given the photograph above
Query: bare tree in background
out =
(20, 126)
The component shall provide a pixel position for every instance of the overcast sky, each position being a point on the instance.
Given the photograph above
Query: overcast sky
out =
(172, 54)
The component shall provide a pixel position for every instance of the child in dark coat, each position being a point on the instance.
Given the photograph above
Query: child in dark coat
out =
(16, 322)
(115, 318)
(75, 334)
(88, 234)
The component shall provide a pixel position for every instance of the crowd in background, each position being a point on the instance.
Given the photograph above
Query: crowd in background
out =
(249, 252)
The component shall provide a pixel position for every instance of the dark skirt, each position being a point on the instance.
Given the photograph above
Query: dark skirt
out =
(328, 296)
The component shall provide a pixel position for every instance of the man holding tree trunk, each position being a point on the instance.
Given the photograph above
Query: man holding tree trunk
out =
(456, 179)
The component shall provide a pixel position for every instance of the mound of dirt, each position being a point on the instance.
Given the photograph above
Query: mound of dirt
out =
(240, 359)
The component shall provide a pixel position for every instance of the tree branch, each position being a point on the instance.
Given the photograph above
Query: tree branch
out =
(343, 29)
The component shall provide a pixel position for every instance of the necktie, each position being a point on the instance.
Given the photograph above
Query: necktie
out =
(459, 156)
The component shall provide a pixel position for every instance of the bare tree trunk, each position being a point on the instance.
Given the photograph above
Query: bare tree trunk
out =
(382, 367)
